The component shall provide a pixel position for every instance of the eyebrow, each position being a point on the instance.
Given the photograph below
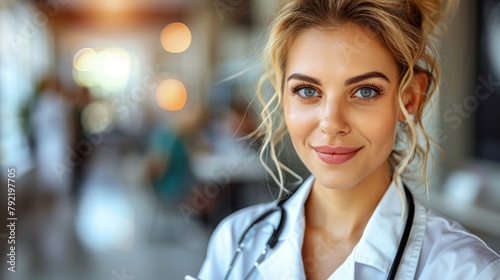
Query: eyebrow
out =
(359, 78)
(350, 81)
(303, 77)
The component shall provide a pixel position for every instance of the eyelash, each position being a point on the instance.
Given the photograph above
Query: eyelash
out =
(298, 87)
(377, 88)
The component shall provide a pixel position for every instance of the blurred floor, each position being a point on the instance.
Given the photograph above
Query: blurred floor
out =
(115, 230)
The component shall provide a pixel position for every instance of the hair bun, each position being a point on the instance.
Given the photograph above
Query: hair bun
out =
(434, 13)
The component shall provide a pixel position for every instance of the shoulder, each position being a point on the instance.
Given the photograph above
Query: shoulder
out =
(235, 224)
(447, 235)
(451, 251)
(224, 240)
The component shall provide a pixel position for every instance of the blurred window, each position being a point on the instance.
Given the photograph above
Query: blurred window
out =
(24, 57)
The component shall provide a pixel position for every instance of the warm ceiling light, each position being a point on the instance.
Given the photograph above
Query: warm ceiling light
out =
(106, 68)
(85, 59)
(171, 95)
(176, 37)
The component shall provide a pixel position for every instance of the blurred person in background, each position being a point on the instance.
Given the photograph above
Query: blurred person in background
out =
(168, 164)
(51, 125)
(80, 100)
(49, 128)
(351, 81)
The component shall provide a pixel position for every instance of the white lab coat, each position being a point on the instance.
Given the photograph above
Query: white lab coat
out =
(438, 248)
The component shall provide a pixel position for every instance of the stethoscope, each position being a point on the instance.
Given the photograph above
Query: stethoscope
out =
(273, 239)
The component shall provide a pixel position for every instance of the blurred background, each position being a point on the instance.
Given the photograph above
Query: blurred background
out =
(122, 129)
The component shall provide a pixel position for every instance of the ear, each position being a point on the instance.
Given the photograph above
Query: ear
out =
(414, 94)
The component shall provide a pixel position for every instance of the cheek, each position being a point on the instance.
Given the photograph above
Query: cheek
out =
(382, 132)
(385, 134)
(299, 120)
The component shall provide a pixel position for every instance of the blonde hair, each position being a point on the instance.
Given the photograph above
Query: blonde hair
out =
(405, 27)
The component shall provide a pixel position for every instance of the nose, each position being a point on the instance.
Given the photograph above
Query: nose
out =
(334, 118)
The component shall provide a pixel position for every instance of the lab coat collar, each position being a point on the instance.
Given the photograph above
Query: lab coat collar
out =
(295, 211)
(380, 240)
(286, 260)
(376, 248)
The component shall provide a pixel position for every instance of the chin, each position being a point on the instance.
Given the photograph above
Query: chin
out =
(336, 181)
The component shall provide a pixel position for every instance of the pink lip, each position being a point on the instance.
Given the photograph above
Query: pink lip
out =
(336, 154)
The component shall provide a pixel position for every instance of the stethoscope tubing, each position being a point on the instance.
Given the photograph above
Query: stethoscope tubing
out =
(406, 235)
(273, 239)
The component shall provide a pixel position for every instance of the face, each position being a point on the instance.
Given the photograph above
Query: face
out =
(340, 105)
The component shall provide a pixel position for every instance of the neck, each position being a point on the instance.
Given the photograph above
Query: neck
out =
(343, 214)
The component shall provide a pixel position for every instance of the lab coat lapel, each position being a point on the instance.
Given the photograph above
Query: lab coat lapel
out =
(284, 263)
(382, 235)
(285, 260)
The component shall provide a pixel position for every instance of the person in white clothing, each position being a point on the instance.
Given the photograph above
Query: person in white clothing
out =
(351, 81)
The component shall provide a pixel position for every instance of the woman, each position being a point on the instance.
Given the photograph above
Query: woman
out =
(352, 79)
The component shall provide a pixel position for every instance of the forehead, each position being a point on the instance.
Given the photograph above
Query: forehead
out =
(339, 52)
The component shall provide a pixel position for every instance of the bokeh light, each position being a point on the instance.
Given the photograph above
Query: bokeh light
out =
(107, 69)
(105, 220)
(85, 59)
(176, 37)
(96, 117)
(171, 95)
(116, 63)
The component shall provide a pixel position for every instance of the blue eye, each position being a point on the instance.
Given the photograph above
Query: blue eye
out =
(307, 92)
(366, 92)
